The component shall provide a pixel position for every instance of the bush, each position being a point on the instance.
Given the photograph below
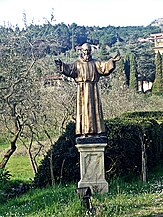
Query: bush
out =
(10, 188)
(4, 177)
(4, 181)
(65, 158)
(157, 115)
(124, 149)
(123, 154)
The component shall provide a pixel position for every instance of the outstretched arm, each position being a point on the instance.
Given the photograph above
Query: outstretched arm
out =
(66, 69)
(107, 67)
(58, 64)
(117, 57)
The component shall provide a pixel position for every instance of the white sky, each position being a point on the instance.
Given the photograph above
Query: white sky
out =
(82, 12)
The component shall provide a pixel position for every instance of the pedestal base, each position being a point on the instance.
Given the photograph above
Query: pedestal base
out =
(92, 163)
(96, 187)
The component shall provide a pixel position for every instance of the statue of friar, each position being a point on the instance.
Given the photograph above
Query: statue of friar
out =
(86, 72)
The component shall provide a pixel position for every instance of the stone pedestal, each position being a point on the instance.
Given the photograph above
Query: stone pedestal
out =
(92, 172)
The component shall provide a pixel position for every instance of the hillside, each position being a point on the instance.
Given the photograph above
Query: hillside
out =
(157, 22)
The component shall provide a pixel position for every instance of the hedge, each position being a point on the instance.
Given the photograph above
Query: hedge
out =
(122, 154)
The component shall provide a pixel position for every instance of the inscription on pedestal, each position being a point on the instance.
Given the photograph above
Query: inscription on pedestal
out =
(92, 167)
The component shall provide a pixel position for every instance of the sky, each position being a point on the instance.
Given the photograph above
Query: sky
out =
(82, 12)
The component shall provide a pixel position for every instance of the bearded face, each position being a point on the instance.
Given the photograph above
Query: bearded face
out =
(86, 52)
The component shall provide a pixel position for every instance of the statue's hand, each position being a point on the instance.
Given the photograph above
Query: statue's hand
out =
(117, 57)
(58, 62)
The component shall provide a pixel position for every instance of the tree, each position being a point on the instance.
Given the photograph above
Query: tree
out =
(122, 79)
(102, 53)
(15, 67)
(133, 73)
(127, 68)
(158, 83)
(29, 113)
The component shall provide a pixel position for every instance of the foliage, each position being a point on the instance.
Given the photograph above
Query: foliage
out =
(48, 39)
(158, 84)
(14, 180)
(30, 112)
(133, 73)
(122, 154)
(17, 83)
(65, 161)
(24, 116)
(4, 176)
(4, 181)
(141, 115)
(125, 198)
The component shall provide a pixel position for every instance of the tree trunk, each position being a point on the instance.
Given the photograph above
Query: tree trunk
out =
(33, 164)
(51, 167)
(144, 160)
(32, 160)
(9, 153)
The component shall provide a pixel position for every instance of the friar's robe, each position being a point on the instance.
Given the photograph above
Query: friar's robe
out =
(89, 117)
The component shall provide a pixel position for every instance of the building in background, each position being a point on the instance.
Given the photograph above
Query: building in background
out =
(158, 42)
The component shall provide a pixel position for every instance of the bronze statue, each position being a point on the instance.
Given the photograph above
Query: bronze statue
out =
(86, 72)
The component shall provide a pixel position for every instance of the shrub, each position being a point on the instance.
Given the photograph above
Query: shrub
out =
(124, 149)
(65, 158)
(123, 154)
(157, 115)
(4, 177)
(4, 181)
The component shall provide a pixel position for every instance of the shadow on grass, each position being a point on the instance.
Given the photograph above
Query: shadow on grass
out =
(37, 200)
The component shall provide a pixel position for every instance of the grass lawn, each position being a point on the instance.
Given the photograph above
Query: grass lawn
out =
(62, 201)
(125, 199)
(20, 168)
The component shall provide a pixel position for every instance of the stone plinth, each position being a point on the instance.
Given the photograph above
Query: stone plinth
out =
(92, 171)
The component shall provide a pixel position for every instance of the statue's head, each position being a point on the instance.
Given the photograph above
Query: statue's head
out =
(86, 52)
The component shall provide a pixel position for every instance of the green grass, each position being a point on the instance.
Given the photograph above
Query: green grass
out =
(129, 198)
(62, 201)
(3, 145)
(125, 199)
(20, 168)
(52, 201)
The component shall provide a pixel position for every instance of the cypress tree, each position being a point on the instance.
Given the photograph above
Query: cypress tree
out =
(122, 79)
(72, 41)
(158, 83)
(127, 68)
(161, 75)
(103, 53)
(133, 73)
